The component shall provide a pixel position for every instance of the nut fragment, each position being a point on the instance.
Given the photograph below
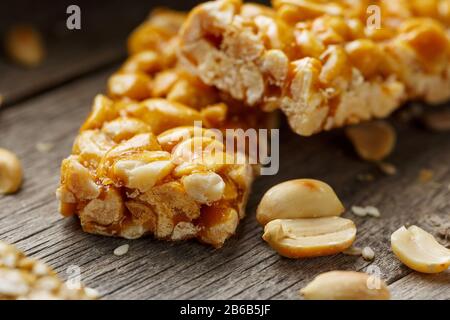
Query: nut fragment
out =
(387, 168)
(345, 285)
(366, 211)
(353, 251)
(302, 198)
(419, 250)
(204, 187)
(302, 238)
(24, 45)
(44, 147)
(10, 172)
(425, 175)
(130, 85)
(437, 121)
(142, 175)
(368, 254)
(122, 250)
(373, 141)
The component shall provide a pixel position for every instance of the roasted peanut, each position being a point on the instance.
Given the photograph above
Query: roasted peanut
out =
(142, 175)
(102, 110)
(302, 198)
(368, 254)
(78, 180)
(146, 61)
(24, 45)
(125, 128)
(419, 250)
(373, 141)
(204, 187)
(122, 250)
(365, 55)
(11, 172)
(91, 146)
(161, 114)
(437, 121)
(346, 285)
(303, 238)
(136, 86)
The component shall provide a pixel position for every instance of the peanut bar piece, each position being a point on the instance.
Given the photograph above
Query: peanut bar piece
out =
(24, 278)
(322, 62)
(142, 166)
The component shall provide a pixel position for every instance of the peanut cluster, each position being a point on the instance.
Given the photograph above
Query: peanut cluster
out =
(24, 278)
(324, 63)
(139, 165)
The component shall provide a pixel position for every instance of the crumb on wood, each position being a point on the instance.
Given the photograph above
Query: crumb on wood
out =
(368, 254)
(365, 177)
(44, 147)
(425, 175)
(370, 211)
(353, 251)
(122, 250)
(387, 168)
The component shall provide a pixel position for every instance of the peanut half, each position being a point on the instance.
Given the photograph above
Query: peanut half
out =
(304, 238)
(10, 172)
(419, 250)
(302, 198)
(24, 45)
(346, 285)
(373, 141)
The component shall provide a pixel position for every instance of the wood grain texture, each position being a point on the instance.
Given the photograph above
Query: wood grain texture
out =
(416, 286)
(246, 268)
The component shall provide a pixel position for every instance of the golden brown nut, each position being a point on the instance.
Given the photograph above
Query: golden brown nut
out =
(346, 285)
(373, 141)
(136, 86)
(304, 238)
(155, 33)
(295, 199)
(11, 172)
(419, 250)
(161, 114)
(24, 45)
(102, 110)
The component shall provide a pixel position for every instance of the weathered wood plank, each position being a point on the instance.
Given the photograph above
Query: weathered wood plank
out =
(416, 286)
(246, 267)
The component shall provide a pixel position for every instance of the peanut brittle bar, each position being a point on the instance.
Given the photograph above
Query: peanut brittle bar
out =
(140, 167)
(319, 61)
(25, 278)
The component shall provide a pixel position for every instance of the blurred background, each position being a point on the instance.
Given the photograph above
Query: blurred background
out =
(105, 25)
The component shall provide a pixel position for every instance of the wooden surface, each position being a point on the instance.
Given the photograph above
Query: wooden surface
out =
(246, 268)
